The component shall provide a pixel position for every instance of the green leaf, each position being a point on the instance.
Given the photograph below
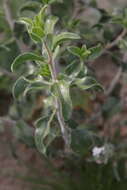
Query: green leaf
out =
(30, 6)
(87, 83)
(35, 37)
(82, 52)
(37, 85)
(19, 87)
(49, 40)
(36, 34)
(38, 31)
(45, 71)
(73, 69)
(85, 52)
(43, 132)
(75, 51)
(50, 24)
(27, 21)
(65, 98)
(23, 85)
(95, 52)
(38, 22)
(61, 90)
(25, 57)
(51, 1)
(35, 27)
(56, 52)
(60, 38)
(84, 72)
(39, 19)
(42, 12)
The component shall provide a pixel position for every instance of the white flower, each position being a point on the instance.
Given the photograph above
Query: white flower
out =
(97, 151)
(103, 154)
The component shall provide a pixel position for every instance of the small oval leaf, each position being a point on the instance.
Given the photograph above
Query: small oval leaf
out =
(25, 20)
(19, 87)
(38, 85)
(30, 6)
(87, 83)
(64, 87)
(60, 38)
(73, 69)
(23, 58)
(43, 133)
(50, 24)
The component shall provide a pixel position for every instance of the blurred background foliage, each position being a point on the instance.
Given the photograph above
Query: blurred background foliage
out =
(101, 117)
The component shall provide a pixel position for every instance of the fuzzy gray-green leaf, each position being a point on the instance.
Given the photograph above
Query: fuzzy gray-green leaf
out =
(73, 69)
(60, 38)
(19, 87)
(37, 85)
(95, 52)
(64, 87)
(24, 58)
(43, 134)
(50, 24)
(87, 83)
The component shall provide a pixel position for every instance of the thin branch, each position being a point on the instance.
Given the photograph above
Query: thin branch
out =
(114, 82)
(64, 128)
(51, 63)
(116, 41)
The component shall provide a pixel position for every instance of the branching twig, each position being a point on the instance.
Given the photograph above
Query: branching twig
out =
(116, 41)
(118, 74)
